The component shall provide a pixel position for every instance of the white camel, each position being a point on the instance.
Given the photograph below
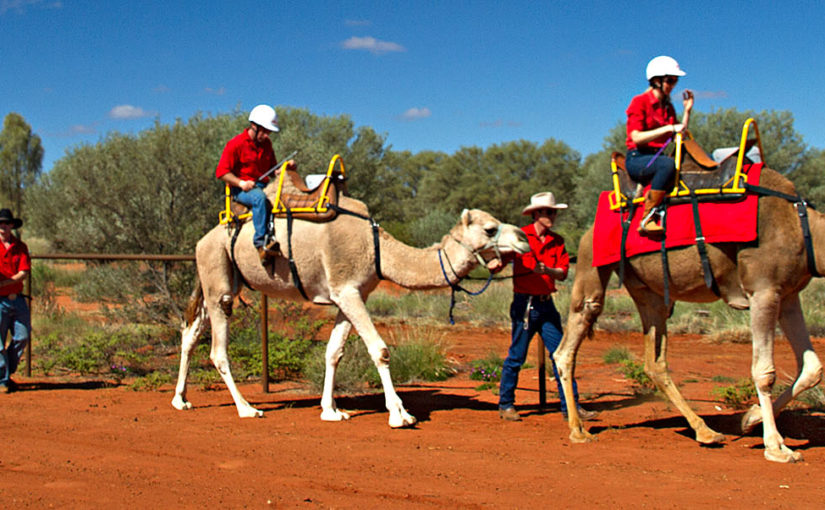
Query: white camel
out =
(336, 264)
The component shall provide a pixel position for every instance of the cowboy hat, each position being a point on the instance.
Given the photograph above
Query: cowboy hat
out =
(7, 217)
(543, 200)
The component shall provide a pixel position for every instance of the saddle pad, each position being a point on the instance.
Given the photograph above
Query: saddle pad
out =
(722, 222)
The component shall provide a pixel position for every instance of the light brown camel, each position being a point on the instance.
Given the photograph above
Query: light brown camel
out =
(336, 265)
(768, 275)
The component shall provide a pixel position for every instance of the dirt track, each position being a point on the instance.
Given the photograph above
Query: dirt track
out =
(73, 443)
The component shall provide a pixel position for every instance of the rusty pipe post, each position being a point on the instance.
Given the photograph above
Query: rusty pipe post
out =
(264, 343)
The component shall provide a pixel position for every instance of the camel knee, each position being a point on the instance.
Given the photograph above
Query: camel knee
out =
(381, 357)
(764, 381)
(592, 309)
(811, 374)
(225, 303)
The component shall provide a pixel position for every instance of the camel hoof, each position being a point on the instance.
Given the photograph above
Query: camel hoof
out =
(334, 415)
(401, 422)
(709, 436)
(751, 419)
(180, 404)
(783, 455)
(580, 436)
(250, 412)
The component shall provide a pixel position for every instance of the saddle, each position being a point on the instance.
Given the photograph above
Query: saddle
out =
(293, 198)
(697, 171)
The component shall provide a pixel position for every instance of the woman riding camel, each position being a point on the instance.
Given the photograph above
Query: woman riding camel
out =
(651, 125)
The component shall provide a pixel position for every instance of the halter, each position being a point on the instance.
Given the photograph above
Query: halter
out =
(493, 243)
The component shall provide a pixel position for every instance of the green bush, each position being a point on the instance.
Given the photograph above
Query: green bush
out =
(736, 395)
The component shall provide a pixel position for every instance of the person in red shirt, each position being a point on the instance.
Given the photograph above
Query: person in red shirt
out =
(245, 159)
(532, 311)
(651, 124)
(15, 264)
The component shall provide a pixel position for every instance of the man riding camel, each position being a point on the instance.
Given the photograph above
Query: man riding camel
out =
(245, 159)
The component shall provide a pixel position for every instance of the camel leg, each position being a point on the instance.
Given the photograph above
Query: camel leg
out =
(765, 307)
(586, 303)
(654, 315)
(335, 349)
(220, 358)
(352, 305)
(189, 337)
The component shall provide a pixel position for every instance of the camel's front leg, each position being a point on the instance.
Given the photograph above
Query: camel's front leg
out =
(654, 315)
(189, 337)
(809, 368)
(220, 358)
(765, 307)
(349, 301)
(335, 349)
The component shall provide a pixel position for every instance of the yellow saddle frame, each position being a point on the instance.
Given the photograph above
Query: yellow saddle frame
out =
(733, 185)
(278, 207)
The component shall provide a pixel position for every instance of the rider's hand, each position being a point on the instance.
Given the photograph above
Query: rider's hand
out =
(687, 99)
(291, 165)
(677, 128)
(246, 185)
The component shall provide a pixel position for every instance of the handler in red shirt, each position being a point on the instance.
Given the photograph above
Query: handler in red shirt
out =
(532, 310)
(651, 125)
(15, 264)
(245, 159)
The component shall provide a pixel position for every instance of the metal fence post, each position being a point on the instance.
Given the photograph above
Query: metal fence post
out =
(264, 343)
(542, 379)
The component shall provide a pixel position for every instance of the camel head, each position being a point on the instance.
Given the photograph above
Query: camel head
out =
(486, 237)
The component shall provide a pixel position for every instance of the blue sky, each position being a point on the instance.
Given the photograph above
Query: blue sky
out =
(427, 75)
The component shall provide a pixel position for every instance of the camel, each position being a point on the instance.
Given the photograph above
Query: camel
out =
(336, 264)
(768, 275)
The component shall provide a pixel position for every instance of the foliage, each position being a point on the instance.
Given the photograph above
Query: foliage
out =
(21, 158)
(616, 354)
(736, 395)
(487, 369)
(635, 371)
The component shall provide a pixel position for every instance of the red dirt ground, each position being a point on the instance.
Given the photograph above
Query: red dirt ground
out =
(72, 443)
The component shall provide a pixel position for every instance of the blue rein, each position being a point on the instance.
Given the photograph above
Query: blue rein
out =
(456, 286)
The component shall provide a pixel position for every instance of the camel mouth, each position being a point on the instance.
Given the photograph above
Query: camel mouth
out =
(521, 247)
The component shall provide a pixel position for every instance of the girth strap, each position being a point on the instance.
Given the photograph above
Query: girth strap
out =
(665, 265)
(293, 269)
(707, 272)
(623, 247)
(801, 206)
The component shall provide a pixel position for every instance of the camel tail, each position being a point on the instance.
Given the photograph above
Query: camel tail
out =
(195, 303)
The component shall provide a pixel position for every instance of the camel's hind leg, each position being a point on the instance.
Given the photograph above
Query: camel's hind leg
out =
(654, 315)
(765, 308)
(189, 337)
(809, 368)
(220, 358)
(335, 349)
(351, 303)
(586, 303)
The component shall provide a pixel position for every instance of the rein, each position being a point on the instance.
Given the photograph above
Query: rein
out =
(457, 285)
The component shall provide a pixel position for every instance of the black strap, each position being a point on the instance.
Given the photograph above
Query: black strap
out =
(665, 265)
(802, 211)
(707, 271)
(236, 271)
(623, 247)
(293, 269)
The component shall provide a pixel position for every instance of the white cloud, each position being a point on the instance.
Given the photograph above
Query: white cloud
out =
(127, 111)
(416, 113)
(161, 89)
(711, 94)
(357, 22)
(218, 92)
(80, 129)
(371, 44)
(20, 6)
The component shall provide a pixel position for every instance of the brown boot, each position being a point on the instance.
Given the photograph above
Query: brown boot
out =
(648, 225)
(269, 252)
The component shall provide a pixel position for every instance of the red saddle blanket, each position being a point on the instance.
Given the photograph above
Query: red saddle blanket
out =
(722, 222)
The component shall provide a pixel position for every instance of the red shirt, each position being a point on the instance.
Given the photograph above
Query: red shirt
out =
(645, 113)
(246, 159)
(551, 252)
(12, 261)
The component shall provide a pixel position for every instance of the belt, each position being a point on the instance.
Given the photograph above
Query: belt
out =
(10, 297)
(539, 297)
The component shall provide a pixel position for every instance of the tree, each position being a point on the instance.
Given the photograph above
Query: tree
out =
(21, 157)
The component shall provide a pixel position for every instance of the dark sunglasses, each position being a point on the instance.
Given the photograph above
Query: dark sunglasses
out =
(671, 80)
(6, 223)
(548, 212)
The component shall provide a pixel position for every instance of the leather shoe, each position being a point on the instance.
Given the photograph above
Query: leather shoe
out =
(509, 414)
(269, 252)
(584, 414)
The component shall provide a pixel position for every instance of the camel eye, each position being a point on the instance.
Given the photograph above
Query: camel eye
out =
(491, 231)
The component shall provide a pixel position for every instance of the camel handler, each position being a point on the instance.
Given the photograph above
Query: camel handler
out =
(15, 264)
(651, 125)
(246, 158)
(532, 310)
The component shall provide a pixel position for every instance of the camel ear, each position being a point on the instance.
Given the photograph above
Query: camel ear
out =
(465, 217)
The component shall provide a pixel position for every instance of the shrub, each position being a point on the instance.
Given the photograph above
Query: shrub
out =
(736, 395)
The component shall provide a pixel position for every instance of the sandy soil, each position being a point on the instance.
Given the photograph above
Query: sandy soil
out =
(72, 443)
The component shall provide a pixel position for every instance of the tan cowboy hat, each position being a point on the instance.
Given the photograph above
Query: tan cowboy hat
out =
(543, 200)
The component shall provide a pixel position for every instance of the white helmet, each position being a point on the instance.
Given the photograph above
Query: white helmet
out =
(264, 116)
(663, 66)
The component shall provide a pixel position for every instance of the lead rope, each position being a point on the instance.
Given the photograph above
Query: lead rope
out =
(456, 286)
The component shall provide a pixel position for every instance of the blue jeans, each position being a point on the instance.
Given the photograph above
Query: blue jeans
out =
(660, 174)
(255, 199)
(14, 315)
(543, 319)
